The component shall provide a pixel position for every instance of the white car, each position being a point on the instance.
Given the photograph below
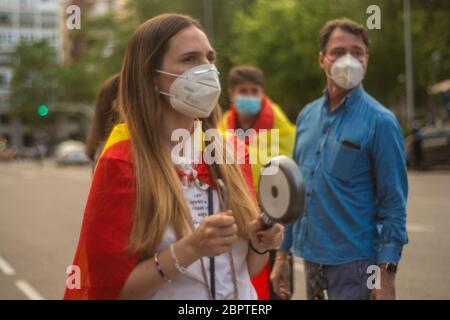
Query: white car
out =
(71, 152)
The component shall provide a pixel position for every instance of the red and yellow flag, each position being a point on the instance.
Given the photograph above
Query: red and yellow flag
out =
(101, 256)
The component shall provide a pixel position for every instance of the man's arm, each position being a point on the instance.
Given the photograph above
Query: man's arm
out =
(391, 185)
(391, 188)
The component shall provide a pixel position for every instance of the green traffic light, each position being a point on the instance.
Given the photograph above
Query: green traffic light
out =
(43, 110)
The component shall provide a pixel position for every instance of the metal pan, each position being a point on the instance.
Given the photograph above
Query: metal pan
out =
(281, 191)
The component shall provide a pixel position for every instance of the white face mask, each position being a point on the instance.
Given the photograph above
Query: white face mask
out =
(347, 72)
(195, 92)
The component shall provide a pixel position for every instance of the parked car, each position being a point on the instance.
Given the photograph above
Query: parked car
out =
(434, 147)
(71, 152)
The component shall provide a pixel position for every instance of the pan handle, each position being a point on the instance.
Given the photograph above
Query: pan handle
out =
(267, 221)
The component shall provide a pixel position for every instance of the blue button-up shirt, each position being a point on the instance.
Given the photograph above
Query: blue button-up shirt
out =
(354, 168)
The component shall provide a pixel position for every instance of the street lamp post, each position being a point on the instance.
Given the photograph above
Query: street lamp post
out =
(408, 64)
(208, 15)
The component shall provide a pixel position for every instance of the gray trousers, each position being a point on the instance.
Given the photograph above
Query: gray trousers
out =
(343, 282)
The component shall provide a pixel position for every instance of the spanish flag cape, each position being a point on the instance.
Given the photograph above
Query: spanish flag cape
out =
(270, 117)
(101, 258)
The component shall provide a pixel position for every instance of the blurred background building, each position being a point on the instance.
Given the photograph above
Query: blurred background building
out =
(48, 89)
(21, 20)
(28, 21)
(73, 47)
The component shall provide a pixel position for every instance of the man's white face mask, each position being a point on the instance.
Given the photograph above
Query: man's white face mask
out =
(195, 92)
(347, 72)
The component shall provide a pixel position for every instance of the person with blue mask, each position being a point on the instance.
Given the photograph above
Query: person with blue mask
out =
(246, 93)
(254, 112)
(350, 149)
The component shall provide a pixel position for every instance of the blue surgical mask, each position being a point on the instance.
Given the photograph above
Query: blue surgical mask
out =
(248, 105)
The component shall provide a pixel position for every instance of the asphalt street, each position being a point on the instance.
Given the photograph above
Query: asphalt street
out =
(41, 208)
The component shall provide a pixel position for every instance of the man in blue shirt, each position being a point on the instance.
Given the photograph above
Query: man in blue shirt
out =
(351, 152)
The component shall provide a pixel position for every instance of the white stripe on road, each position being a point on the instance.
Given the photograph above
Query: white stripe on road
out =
(420, 228)
(6, 268)
(28, 290)
(299, 267)
(23, 285)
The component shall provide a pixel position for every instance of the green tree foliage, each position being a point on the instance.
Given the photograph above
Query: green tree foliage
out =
(34, 81)
(107, 37)
(281, 37)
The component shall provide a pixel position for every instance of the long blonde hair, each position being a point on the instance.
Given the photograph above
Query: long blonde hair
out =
(159, 198)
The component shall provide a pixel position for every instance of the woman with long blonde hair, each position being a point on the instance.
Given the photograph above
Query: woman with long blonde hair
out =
(157, 225)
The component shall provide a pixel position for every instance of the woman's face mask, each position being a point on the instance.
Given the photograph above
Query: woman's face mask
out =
(195, 92)
(347, 71)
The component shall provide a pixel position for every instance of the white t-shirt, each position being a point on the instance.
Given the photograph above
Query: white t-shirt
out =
(190, 286)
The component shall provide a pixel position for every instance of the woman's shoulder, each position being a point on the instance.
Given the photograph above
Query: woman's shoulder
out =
(120, 151)
(116, 157)
(118, 145)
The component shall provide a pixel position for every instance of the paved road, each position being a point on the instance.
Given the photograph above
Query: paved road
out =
(41, 209)
(424, 272)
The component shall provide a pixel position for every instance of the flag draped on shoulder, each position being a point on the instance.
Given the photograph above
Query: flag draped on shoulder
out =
(102, 256)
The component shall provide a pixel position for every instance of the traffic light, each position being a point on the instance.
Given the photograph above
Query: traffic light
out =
(42, 110)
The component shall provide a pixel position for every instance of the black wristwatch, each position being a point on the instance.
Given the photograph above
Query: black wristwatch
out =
(390, 267)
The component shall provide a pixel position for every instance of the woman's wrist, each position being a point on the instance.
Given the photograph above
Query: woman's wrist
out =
(187, 246)
(255, 261)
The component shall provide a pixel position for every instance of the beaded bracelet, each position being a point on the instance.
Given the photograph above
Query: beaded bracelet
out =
(158, 267)
(178, 266)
